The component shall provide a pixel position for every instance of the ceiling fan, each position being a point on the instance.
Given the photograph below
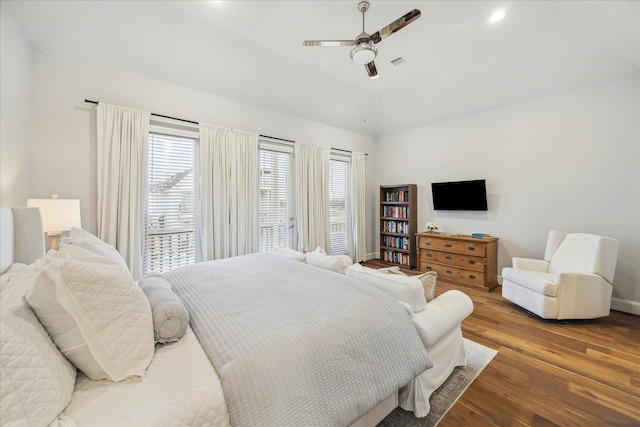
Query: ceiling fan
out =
(365, 51)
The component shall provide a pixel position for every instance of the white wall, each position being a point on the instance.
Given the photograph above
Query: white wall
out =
(15, 111)
(567, 162)
(64, 126)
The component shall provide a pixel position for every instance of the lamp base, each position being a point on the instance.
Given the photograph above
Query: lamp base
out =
(53, 239)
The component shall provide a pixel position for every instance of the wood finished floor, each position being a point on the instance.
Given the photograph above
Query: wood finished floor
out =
(548, 373)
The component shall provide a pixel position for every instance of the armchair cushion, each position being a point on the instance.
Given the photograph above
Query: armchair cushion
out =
(530, 264)
(586, 253)
(538, 281)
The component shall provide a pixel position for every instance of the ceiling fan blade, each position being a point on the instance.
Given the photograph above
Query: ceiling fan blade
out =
(329, 43)
(371, 69)
(396, 25)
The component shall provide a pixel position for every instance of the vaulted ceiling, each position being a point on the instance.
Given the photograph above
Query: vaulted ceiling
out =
(456, 61)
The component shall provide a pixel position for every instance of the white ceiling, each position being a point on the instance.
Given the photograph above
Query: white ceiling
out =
(251, 51)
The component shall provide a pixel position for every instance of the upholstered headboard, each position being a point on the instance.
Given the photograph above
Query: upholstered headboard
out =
(21, 236)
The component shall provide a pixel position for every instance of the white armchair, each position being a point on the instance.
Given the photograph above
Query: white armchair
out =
(572, 282)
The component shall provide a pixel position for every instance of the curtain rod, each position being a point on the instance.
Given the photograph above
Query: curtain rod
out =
(154, 114)
(277, 139)
(197, 123)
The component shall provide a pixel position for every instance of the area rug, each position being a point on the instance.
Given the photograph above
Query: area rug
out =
(478, 357)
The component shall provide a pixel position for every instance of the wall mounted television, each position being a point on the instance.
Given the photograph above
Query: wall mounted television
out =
(459, 195)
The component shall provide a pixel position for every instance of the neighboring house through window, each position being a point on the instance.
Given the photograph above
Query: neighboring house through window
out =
(276, 196)
(171, 235)
(340, 204)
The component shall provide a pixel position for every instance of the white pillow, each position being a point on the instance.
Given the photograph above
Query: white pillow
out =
(170, 316)
(290, 253)
(36, 381)
(336, 263)
(408, 289)
(86, 240)
(96, 314)
(428, 281)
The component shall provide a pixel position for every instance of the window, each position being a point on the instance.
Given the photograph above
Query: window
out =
(170, 212)
(276, 196)
(340, 205)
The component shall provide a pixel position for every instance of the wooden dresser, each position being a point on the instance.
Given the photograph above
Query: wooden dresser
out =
(459, 259)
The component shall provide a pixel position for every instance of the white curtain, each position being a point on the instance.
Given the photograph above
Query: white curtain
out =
(228, 192)
(358, 206)
(312, 195)
(123, 135)
(244, 224)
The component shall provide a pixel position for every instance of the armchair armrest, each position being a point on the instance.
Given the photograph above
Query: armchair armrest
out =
(582, 295)
(530, 264)
(441, 315)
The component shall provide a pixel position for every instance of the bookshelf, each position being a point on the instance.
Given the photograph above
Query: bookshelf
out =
(398, 224)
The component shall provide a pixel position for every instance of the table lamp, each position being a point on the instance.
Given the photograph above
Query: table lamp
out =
(58, 215)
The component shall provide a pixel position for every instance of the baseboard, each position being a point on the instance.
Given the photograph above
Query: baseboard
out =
(625, 305)
(373, 255)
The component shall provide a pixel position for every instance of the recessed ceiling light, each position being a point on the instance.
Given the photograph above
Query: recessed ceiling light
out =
(498, 15)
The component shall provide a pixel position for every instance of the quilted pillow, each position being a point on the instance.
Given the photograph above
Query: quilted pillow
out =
(94, 311)
(86, 240)
(36, 381)
(407, 289)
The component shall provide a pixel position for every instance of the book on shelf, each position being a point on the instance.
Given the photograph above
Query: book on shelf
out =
(395, 257)
(394, 212)
(395, 227)
(396, 242)
(397, 196)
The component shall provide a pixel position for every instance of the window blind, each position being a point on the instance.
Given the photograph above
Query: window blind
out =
(276, 196)
(170, 211)
(340, 206)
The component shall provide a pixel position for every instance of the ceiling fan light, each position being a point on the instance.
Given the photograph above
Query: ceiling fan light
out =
(363, 53)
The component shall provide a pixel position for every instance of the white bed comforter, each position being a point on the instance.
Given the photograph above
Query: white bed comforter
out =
(298, 345)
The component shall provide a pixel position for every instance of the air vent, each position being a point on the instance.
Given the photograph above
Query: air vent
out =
(399, 61)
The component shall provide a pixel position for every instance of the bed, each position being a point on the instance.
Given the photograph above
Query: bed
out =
(269, 341)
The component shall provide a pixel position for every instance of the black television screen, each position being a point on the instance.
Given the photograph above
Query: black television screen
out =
(459, 195)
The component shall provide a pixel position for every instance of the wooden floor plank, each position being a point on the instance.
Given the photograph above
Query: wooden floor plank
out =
(548, 373)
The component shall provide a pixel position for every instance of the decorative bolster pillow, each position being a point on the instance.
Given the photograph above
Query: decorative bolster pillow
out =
(170, 316)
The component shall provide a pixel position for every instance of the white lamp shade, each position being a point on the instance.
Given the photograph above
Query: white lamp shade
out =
(58, 214)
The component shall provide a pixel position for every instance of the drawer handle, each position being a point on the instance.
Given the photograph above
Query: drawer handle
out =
(471, 261)
(428, 255)
(471, 276)
(449, 257)
(471, 248)
(448, 272)
(427, 243)
(428, 267)
(448, 245)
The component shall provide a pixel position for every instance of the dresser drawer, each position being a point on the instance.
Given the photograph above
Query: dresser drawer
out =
(453, 259)
(453, 274)
(475, 249)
